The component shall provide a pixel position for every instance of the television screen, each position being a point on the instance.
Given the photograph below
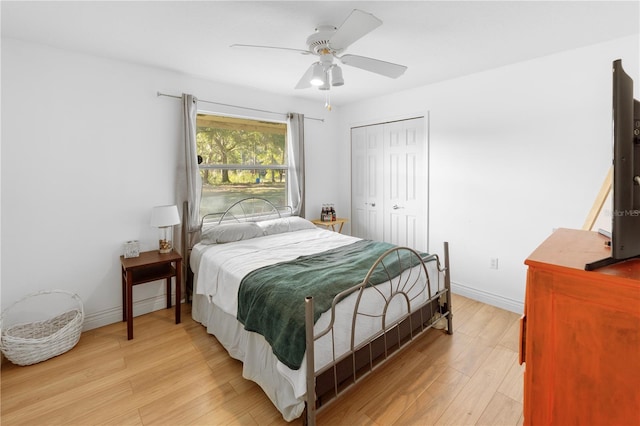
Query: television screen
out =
(625, 226)
(625, 238)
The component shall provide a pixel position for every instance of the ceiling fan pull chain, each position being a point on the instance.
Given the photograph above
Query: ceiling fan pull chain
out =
(327, 100)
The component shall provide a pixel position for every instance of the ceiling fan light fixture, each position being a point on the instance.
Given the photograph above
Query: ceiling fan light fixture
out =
(328, 43)
(318, 77)
(325, 85)
(336, 76)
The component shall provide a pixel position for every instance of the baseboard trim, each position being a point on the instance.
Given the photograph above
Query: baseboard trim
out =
(113, 315)
(489, 298)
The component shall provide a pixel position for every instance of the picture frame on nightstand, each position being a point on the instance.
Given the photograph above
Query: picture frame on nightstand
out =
(131, 249)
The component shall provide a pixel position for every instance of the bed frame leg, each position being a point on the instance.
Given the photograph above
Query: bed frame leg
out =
(447, 284)
(311, 380)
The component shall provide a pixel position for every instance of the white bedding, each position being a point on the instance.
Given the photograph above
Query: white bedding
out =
(218, 270)
(228, 263)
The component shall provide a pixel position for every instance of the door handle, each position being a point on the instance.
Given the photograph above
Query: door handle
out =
(396, 207)
(370, 204)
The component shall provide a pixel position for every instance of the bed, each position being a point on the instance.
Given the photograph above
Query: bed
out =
(308, 311)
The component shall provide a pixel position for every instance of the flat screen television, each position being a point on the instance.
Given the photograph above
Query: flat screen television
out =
(625, 226)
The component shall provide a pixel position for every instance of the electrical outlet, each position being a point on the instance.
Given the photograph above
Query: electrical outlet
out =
(494, 263)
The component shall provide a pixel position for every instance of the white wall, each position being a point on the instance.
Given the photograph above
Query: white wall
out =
(87, 150)
(515, 152)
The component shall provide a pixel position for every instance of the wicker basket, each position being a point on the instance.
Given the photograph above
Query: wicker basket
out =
(28, 343)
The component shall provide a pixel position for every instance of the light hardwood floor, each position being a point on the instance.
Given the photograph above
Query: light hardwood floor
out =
(179, 375)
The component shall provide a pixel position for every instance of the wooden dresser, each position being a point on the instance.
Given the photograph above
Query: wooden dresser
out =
(580, 335)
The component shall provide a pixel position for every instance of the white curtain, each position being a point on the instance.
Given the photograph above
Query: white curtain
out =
(295, 175)
(194, 181)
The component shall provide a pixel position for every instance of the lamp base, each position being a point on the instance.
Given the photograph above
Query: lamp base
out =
(165, 246)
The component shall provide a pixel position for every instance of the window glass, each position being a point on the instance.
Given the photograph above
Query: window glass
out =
(240, 158)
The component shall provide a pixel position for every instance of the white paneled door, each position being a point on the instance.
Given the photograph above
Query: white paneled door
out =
(405, 183)
(366, 182)
(390, 183)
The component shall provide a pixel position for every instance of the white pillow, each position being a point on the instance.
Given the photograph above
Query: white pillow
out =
(285, 224)
(230, 232)
(297, 223)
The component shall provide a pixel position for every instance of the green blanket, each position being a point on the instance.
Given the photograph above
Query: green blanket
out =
(271, 299)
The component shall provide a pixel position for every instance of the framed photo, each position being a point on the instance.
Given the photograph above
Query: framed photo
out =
(132, 249)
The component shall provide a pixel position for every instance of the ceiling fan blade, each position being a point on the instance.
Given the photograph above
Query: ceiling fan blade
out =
(304, 52)
(377, 66)
(357, 24)
(305, 81)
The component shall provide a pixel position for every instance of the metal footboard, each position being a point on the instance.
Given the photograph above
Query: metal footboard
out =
(425, 304)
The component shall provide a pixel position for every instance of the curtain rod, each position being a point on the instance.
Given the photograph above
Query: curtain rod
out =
(241, 107)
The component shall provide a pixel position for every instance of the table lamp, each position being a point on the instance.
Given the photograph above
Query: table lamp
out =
(164, 217)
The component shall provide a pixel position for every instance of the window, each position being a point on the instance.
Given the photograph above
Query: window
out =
(240, 158)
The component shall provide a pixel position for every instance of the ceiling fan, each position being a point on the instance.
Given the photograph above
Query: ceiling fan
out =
(328, 42)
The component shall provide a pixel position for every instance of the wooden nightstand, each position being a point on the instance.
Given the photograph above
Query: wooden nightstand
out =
(149, 266)
(332, 224)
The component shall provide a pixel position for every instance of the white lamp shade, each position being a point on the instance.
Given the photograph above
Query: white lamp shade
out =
(325, 85)
(318, 75)
(336, 76)
(162, 216)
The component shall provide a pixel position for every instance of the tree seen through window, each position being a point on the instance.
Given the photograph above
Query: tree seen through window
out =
(240, 158)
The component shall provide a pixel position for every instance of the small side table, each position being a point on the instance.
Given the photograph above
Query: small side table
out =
(332, 224)
(149, 266)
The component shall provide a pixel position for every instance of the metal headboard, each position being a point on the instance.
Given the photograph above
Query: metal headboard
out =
(250, 209)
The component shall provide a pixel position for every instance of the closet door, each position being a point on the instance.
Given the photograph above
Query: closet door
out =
(405, 183)
(389, 183)
(366, 182)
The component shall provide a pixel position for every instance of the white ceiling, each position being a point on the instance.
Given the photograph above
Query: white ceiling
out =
(436, 40)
